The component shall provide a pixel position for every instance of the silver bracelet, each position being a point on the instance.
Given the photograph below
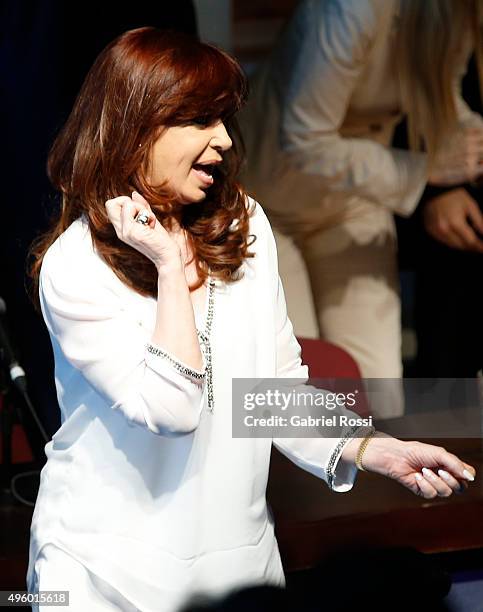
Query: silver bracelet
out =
(336, 452)
(177, 365)
(204, 338)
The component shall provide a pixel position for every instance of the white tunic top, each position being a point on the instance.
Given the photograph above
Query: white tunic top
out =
(143, 485)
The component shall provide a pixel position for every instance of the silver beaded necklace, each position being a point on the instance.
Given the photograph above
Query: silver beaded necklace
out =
(205, 344)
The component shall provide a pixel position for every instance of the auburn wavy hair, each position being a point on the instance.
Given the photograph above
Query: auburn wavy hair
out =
(145, 80)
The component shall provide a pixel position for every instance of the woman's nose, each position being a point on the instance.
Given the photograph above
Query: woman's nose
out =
(220, 138)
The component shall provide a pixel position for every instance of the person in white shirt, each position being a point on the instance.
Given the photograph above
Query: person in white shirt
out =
(318, 128)
(154, 303)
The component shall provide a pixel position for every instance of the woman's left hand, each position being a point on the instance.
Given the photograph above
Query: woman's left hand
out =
(426, 470)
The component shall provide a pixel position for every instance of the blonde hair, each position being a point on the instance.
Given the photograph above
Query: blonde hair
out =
(430, 35)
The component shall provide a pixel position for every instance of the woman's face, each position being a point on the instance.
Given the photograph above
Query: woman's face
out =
(184, 158)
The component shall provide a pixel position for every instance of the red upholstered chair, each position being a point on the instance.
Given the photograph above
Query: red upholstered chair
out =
(328, 361)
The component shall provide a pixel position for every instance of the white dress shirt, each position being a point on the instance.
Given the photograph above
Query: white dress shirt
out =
(143, 485)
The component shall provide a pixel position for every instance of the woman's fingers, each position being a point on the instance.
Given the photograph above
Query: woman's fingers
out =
(432, 485)
(450, 480)
(128, 213)
(442, 488)
(475, 215)
(151, 239)
(448, 474)
(468, 237)
(450, 238)
(453, 464)
(426, 489)
(122, 212)
(114, 209)
(454, 219)
(114, 206)
(137, 197)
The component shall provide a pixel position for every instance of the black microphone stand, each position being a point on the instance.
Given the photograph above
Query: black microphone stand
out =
(6, 427)
(11, 413)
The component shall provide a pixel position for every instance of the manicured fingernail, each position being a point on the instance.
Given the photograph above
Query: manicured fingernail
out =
(444, 474)
(418, 476)
(428, 473)
(468, 476)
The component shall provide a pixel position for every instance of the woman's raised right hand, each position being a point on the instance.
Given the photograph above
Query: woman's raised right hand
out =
(152, 240)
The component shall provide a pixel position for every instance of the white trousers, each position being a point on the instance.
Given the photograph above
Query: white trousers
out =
(55, 570)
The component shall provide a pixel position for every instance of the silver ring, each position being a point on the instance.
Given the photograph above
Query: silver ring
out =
(142, 217)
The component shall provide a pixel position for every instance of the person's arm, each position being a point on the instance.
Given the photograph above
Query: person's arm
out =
(327, 63)
(319, 456)
(425, 469)
(175, 322)
(450, 213)
(102, 337)
(454, 218)
(458, 159)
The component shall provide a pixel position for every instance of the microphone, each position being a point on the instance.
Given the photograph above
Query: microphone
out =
(17, 374)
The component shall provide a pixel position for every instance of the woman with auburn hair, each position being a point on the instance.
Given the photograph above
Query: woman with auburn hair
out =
(154, 303)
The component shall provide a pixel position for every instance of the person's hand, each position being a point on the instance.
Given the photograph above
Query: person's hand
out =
(152, 240)
(426, 470)
(459, 160)
(452, 218)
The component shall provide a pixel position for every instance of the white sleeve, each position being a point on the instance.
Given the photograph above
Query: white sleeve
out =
(319, 456)
(329, 57)
(101, 339)
(453, 140)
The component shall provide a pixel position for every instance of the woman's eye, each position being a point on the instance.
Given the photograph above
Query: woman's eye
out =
(202, 121)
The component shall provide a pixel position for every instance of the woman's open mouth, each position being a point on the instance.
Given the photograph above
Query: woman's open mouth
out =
(204, 172)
